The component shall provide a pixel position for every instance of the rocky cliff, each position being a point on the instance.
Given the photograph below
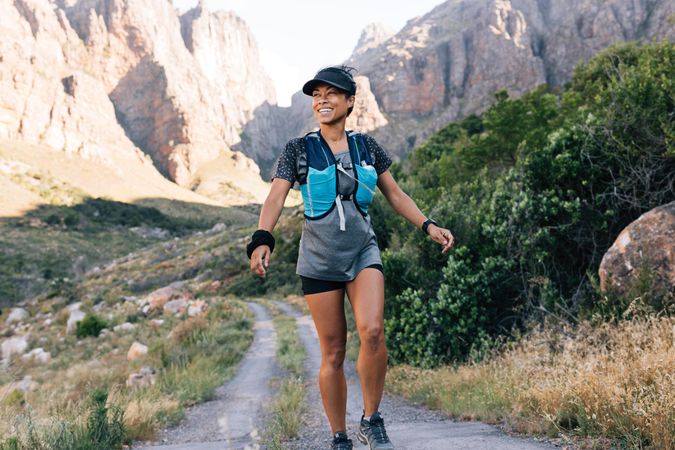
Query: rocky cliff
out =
(450, 62)
(124, 80)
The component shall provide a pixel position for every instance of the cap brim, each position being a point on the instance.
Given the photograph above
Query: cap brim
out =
(308, 88)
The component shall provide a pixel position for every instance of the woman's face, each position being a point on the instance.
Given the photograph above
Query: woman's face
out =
(330, 105)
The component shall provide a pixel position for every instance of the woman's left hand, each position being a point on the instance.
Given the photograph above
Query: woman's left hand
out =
(442, 236)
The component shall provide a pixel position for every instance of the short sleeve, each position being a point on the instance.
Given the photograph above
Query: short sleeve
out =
(286, 164)
(381, 159)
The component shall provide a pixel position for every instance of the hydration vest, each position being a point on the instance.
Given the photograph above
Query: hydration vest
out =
(317, 174)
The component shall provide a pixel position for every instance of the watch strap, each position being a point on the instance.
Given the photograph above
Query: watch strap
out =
(425, 225)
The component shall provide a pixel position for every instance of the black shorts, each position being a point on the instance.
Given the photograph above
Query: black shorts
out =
(314, 286)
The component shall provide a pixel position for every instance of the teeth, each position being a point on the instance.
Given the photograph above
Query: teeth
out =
(325, 110)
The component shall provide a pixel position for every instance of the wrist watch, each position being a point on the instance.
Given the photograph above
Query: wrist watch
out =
(426, 224)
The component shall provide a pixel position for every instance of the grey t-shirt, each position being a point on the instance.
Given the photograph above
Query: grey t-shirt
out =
(326, 252)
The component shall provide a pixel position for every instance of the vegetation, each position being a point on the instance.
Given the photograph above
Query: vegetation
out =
(286, 411)
(280, 279)
(535, 192)
(53, 245)
(191, 356)
(613, 382)
(91, 325)
(103, 430)
(510, 325)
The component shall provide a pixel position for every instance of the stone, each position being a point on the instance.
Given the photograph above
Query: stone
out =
(24, 385)
(151, 232)
(177, 306)
(137, 350)
(156, 323)
(648, 243)
(144, 377)
(217, 228)
(15, 345)
(76, 315)
(158, 298)
(17, 315)
(196, 308)
(124, 327)
(37, 356)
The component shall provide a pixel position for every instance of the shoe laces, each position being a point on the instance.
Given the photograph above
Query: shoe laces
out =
(377, 428)
(341, 442)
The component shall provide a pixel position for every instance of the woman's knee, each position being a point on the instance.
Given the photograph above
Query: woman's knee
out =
(372, 336)
(333, 354)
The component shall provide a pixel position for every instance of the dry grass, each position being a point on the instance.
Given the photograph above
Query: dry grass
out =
(192, 356)
(614, 382)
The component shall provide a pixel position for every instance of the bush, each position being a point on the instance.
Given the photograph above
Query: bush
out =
(91, 325)
(535, 194)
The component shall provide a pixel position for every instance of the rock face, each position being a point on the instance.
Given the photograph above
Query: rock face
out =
(120, 80)
(449, 63)
(371, 37)
(648, 243)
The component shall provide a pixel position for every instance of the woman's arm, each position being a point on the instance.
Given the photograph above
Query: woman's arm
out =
(406, 207)
(269, 215)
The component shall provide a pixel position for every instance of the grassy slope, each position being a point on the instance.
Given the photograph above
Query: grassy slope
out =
(604, 386)
(195, 358)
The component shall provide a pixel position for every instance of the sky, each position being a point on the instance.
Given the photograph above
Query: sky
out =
(298, 37)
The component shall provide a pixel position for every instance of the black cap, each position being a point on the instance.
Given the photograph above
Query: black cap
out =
(334, 76)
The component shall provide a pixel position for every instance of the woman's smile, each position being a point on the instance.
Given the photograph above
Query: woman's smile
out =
(330, 104)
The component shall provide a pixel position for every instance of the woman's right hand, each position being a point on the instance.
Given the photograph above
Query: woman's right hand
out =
(260, 260)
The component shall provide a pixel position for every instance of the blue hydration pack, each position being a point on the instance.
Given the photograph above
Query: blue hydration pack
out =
(317, 174)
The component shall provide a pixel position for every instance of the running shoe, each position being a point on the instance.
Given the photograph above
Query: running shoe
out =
(372, 433)
(341, 442)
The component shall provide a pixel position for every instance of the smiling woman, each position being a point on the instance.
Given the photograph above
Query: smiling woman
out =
(338, 172)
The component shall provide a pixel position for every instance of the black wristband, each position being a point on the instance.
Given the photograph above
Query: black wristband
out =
(425, 225)
(260, 237)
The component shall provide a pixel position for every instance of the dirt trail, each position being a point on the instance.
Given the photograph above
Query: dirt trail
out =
(233, 419)
(409, 427)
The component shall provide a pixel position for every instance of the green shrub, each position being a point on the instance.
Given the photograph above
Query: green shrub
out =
(535, 192)
(90, 325)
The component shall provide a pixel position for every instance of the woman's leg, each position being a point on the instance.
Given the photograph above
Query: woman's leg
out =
(366, 294)
(328, 312)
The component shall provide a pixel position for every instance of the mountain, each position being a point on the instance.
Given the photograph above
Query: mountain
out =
(132, 86)
(449, 63)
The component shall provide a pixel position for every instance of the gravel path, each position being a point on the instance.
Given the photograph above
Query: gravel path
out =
(409, 427)
(233, 419)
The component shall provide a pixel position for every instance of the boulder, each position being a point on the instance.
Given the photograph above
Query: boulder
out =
(17, 315)
(76, 315)
(144, 377)
(648, 243)
(124, 327)
(156, 300)
(15, 345)
(156, 323)
(196, 308)
(177, 306)
(136, 351)
(217, 228)
(37, 356)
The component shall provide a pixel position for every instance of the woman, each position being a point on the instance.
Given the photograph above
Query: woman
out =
(338, 171)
